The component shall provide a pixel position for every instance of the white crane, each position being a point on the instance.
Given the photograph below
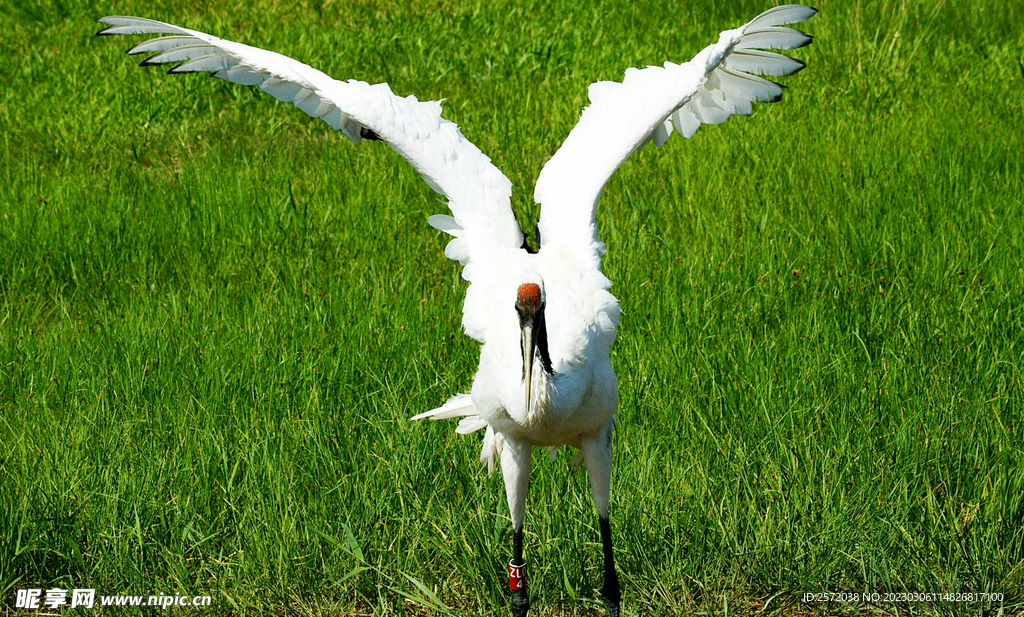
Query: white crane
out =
(545, 320)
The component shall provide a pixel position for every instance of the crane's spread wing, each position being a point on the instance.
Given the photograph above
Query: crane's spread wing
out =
(478, 193)
(722, 80)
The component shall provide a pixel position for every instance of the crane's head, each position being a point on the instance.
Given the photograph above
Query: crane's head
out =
(530, 302)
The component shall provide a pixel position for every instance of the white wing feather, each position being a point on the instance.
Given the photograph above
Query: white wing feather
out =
(649, 105)
(479, 195)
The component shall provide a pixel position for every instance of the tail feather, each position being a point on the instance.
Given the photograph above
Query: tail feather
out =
(455, 407)
(490, 452)
(470, 424)
(461, 406)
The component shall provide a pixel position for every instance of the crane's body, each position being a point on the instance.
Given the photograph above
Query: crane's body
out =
(579, 394)
(545, 320)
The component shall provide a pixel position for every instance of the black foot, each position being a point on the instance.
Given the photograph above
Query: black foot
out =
(521, 603)
(610, 593)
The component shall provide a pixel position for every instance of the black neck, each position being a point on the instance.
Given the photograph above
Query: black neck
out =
(541, 327)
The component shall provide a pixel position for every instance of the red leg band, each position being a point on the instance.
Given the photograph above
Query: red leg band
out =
(516, 576)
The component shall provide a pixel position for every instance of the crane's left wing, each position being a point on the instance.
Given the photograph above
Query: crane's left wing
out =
(722, 80)
(479, 195)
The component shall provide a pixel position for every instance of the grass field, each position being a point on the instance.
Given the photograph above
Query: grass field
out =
(216, 316)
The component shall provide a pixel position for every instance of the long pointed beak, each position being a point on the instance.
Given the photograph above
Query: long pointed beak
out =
(529, 344)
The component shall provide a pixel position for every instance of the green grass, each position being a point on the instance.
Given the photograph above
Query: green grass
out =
(216, 316)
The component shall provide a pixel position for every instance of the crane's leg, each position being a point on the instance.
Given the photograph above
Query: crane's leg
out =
(597, 454)
(516, 457)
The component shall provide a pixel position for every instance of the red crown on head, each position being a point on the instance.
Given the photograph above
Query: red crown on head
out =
(529, 296)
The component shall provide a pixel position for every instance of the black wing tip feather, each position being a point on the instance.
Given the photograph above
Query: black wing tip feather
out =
(807, 41)
(782, 91)
(813, 9)
(105, 31)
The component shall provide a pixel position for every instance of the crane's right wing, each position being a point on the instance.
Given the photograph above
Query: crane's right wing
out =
(479, 195)
(721, 80)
